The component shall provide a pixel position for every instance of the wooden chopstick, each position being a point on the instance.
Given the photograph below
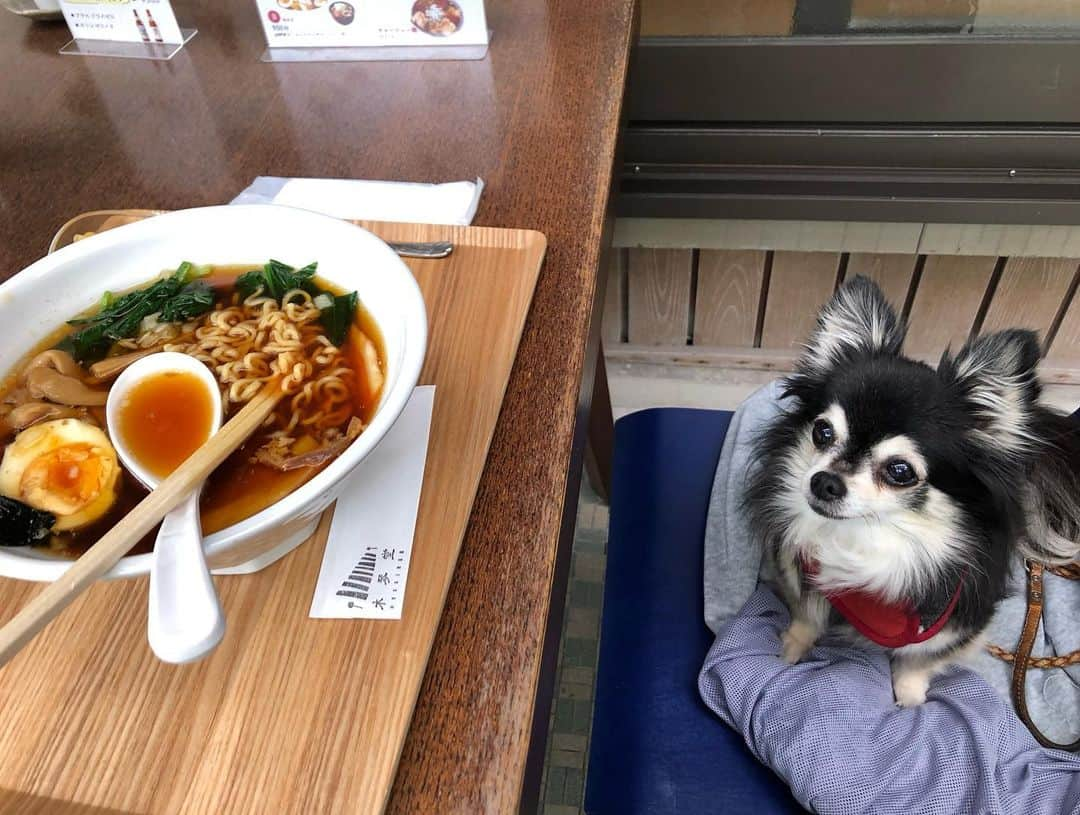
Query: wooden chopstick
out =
(118, 541)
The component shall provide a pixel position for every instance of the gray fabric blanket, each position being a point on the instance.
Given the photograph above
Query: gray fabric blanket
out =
(829, 728)
(733, 565)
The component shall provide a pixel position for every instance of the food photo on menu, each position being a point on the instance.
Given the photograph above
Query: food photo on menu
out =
(440, 18)
(321, 23)
(342, 13)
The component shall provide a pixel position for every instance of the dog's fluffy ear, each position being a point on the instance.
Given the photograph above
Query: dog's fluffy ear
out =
(994, 375)
(858, 320)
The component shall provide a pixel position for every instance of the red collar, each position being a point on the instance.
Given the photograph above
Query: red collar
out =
(893, 625)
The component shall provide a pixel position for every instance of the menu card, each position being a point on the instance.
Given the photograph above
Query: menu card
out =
(333, 23)
(145, 21)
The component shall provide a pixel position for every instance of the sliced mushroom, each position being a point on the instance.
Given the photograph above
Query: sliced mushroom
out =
(18, 396)
(111, 367)
(46, 383)
(95, 415)
(33, 412)
(57, 360)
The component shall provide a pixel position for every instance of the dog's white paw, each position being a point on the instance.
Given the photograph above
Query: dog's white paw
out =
(910, 687)
(797, 640)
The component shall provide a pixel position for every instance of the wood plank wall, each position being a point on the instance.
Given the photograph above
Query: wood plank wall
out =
(752, 308)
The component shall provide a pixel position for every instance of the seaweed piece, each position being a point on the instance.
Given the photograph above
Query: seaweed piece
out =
(21, 524)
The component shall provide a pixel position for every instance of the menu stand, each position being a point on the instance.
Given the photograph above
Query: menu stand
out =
(376, 53)
(160, 51)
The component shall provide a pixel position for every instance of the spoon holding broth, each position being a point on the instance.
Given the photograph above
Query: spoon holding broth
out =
(160, 410)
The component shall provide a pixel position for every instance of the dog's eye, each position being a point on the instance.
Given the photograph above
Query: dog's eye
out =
(823, 434)
(899, 473)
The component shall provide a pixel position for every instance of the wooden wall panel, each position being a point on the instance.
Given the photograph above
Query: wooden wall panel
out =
(728, 294)
(799, 284)
(1029, 294)
(658, 296)
(649, 299)
(891, 272)
(893, 14)
(611, 329)
(947, 301)
(730, 18)
(1065, 347)
(1037, 15)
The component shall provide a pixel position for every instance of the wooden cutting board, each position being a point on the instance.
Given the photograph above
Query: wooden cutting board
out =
(290, 714)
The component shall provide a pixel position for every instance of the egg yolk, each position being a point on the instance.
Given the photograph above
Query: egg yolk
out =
(65, 479)
(66, 467)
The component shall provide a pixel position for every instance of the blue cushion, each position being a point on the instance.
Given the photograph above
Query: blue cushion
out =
(655, 747)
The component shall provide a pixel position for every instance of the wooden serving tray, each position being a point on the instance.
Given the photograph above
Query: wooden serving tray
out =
(289, 714)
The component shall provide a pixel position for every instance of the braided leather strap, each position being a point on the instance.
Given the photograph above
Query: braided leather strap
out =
(1070, 571)
(1022, 660)
(1064, 661)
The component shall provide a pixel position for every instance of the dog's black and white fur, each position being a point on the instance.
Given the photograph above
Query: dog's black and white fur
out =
(899, 479)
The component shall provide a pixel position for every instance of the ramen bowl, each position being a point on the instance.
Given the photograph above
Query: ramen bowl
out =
(39, 299)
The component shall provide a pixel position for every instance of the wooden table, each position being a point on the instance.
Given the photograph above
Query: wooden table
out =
(538, 120)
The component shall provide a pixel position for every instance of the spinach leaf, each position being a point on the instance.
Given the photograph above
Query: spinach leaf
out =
(120, 317)
(191, 301)
(86, 346)
(249, 282)
(338, 316)
(277, 278)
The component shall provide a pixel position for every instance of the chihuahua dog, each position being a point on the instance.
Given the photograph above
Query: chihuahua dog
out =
(893, 498)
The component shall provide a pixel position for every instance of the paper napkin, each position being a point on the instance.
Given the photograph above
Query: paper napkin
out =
(452, 203)
(367, 556)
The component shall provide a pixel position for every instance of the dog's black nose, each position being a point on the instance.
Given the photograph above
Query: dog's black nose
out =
(827, 487)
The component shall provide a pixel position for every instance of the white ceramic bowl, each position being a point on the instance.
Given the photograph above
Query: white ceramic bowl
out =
(36, 301)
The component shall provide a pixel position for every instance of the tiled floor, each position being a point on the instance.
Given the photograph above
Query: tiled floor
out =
(563, 788)
(571, 721)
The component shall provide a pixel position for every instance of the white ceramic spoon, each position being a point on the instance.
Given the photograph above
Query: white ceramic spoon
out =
(185, 621)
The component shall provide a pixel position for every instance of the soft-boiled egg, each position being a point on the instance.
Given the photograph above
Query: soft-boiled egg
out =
(66, 467)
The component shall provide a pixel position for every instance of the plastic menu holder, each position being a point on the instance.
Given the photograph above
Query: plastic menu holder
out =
(128, 50)
(130, 29)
